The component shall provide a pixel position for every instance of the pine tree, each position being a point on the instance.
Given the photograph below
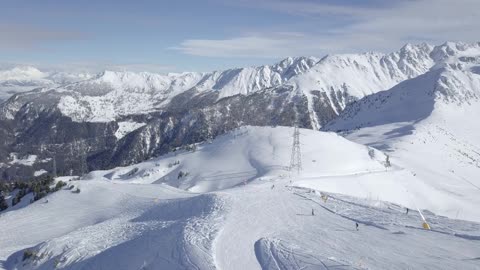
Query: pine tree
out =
(3, 203)
(387, 161)
(59, 185)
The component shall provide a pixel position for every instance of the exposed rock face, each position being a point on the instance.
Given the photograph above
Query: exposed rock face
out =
(82, 146)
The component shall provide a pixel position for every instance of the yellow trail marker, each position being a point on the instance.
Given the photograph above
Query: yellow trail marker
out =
(426, 226)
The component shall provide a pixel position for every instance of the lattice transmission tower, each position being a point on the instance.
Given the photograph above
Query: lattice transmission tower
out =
(54, 166)
(296, 157)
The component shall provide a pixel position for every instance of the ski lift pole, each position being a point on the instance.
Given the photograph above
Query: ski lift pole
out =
(425, 223)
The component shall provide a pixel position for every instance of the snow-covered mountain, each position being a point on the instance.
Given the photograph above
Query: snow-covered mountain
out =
(191, 170)
(428, 121)
(329, 84)
(337, 80)
(245, 81)
(454, 82)
(125, 117)
(112, 95)
(237, 207)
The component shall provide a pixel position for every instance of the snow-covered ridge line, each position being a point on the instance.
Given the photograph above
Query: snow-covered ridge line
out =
(335, 80)
(244, 80)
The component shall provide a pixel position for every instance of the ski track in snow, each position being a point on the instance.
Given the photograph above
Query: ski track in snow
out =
(289, 221)
(270, 229)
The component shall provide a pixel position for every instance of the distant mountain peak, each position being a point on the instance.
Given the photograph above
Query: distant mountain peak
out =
(453, 50)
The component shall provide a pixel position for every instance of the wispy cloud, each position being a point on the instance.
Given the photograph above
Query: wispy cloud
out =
(141, 67)
(18, 36)
(309, 8)
(360, 28)
(252, 45)
(92, 67)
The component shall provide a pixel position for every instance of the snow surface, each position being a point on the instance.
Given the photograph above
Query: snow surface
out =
(24, 201)
(126, 127)
(39, 172)
(426, 125)
(28, 160)
(232, 203)
(239, 208)
(246, 154)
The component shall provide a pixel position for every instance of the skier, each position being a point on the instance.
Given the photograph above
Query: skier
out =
(273, 186)
(356, 225)
(407, 211)
(313, 212)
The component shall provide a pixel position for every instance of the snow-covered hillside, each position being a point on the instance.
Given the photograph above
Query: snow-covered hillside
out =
(236, 206)
(427, 122)
(330, 163)
(246, 154)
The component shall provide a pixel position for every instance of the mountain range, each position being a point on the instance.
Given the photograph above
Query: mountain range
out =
(354, 161)
(110, 119)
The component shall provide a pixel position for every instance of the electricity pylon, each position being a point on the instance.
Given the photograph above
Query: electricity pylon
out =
(54, 169)
(296, 157)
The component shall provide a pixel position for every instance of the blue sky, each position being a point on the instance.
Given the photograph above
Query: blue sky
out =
(196, 35)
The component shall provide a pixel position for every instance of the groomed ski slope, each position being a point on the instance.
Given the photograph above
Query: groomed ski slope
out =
(248, 227)
(144, 217)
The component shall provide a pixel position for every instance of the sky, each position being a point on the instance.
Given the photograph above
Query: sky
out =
(205, 35)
